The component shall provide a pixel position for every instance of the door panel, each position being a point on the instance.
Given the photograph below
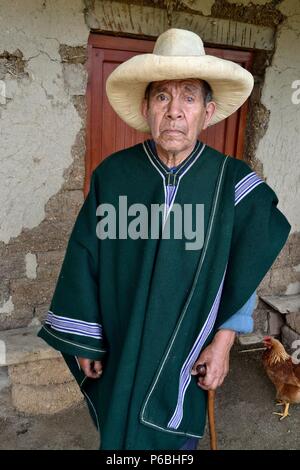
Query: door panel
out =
(117, 134)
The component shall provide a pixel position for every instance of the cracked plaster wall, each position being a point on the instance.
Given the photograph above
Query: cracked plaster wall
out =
(39, 122)
(42, 122)
(278, 150)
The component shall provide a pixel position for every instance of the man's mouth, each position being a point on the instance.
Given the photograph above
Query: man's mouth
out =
(172, 131)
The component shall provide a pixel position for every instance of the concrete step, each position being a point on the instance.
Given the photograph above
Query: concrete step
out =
(40, 381)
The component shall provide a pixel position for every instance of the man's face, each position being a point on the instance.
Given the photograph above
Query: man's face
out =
(176, 114)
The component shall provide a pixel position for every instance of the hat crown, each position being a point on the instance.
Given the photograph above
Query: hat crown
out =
(179, 42)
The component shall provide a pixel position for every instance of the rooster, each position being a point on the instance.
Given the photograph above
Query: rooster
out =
(283, 372)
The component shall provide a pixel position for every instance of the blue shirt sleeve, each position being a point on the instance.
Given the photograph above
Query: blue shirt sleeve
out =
(242, 320)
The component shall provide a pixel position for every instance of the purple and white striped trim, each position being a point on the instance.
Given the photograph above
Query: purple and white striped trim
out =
(185, 373)
(246, 185)
(77, 327)
(170, 195)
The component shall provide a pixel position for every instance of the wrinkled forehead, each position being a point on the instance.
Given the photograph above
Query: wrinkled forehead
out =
(190, 84)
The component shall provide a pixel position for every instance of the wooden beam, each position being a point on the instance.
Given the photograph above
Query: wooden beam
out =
(139, 20)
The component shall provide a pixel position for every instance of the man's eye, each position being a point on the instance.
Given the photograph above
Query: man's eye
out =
(162, 97)
(190, 99)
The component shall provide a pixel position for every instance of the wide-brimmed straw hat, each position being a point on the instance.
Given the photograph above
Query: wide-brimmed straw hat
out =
(177, 54)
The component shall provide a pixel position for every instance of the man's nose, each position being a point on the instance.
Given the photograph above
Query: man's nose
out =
(174, 110)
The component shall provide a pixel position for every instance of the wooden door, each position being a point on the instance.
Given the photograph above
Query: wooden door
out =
(107, 133)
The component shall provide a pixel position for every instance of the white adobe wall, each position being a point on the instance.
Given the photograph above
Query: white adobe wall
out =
(279, 149)
(38, 122)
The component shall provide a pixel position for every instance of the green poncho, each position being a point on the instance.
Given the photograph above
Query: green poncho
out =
(147, 306)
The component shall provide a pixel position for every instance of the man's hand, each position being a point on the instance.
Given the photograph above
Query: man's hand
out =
(216, 358)
(92, 369)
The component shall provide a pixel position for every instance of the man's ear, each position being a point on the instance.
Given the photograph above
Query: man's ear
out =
(144, 108)
(210, 110)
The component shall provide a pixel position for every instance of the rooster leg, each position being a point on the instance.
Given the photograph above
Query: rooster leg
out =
(280, 402)
(285, 412)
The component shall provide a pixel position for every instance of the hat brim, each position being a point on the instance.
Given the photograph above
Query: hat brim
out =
(125, 87)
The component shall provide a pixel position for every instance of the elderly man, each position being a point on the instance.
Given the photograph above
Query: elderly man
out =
(135, 311)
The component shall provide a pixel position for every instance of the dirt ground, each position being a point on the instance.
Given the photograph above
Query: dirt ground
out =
(244, 418)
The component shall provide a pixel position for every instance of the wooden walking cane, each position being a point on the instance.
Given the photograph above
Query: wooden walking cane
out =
(201, 369)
